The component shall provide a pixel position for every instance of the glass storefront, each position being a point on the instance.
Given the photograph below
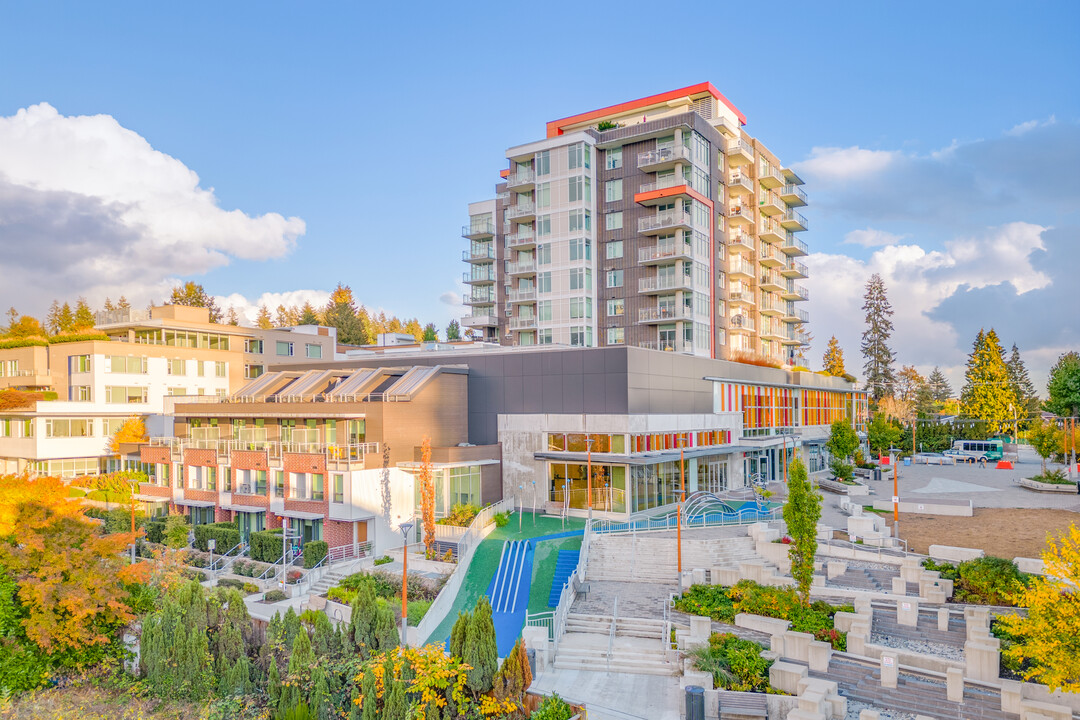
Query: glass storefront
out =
(568, 486)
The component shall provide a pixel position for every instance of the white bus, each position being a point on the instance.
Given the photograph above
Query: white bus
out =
(976, 450)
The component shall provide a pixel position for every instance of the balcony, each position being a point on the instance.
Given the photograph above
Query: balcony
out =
(741, 297)
(794, 315)
(523, 239)
(771, 281)
(522, 296)
(793, 221)
(739, 183)
(522, 323)
(673, 346)
(773, 331)
(771, 232)
(479, 321)
(521, 181)
(741, 323)
(663, 283)
(794, 269)
(793, 246)
(729, 128)
(663, 190)
(739, 152)
(522, 267)
(522, 212)
(741, 242)
(791, 177)
(478, 230)
(793, 195)
(741, 266)
(663, 183)
(485, 253)
(662, 253)
(486, 296)
(795, 291)
(740, 214)
(769, 305)
(771, 204)
(769, 256)
(667, 220)
(771, 178)
(663, 314)
(478, 276)
(663, 158)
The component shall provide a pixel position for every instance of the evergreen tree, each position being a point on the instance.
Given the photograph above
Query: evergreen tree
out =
(367, 326)
(987, 393)
(878, 367)
(430, 333)
(290, 627)
(515, 675)
(453, 331)
(940, 390)
(263, 319)
(192, 294)
(395, 706)
(362, 618)
(1063, 386)
(833, 362)
(52, 319)
(319, 697)
(1022, 387)
(801, 514)
(84, 318)
(385, 629)
(340, 313)
(175, 655)
(233, 318)
(308, 316)
(458, 633)
(66, 319)
(322, 639)
(108, 306)
(273, 683)
(301, 662)
(370, 701)
(123, 304)
(481, 652)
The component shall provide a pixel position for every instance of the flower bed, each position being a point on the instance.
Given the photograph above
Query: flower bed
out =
(734, 663)
(983, 581)
(724, 603)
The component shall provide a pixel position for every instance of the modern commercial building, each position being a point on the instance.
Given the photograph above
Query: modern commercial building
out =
(656, 223)
(148, 357)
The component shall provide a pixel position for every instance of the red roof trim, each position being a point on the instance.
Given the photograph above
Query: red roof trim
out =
(555, 127)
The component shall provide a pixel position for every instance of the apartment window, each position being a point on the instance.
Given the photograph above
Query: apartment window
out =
(122, 395)
(543, 162)
(614, 158)
(80, 393)
(279, 483)
(313, 352)
(543, 311)
(175, 366)
(125, 364)
(613, 221)
(543, 195)
(613, 190)
(577, 220)
(577, 279)
(580, 249)
(616, 336)
(28, 428)
(577, 336)
(575, 156)
(614, 250)
(543, 254)
(543, 282)
(222, 369)
(5, 427)
(79, 363)
(588, 150)
(339, 488)
(66, 428)
(543, 337)
(577, 308)
(255, 347)
(543, 225)
(615, 307)
(175, 391)
(317, 480)
(200, 368)
(614, 278)
(284, 349)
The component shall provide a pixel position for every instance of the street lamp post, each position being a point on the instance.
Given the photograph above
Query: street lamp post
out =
(133, 541)
(896, 494)
(588, 473)
(405, 528)
(678, 512)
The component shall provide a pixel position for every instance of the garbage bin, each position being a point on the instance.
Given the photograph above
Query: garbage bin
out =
(907, 461)
(877, 474)
(695, 702)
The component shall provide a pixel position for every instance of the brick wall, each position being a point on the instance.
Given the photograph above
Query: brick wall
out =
(204, 495)
(249, 460)
(304, 463)
(311, 506)
(155, 490)
(155, 455)
(201, 457)
(272, 520)
(337, 533)
(254, 501)
(221, 515)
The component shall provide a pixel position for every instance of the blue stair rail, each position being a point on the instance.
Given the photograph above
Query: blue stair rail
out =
(564, 566)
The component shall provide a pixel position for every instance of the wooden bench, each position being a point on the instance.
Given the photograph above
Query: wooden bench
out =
(742, 705)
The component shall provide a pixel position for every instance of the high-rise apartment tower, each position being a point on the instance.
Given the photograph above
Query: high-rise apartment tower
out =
(658, 223)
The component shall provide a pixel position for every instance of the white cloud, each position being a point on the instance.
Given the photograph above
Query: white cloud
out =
(872, 238)
(451, 298)
(89, 207)
(845, 163)
(249, 309)
(1030, 125)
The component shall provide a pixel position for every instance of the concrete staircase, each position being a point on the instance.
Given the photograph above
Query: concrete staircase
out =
(871, 579)
(645, 558)
(332, 576)
(639, 646)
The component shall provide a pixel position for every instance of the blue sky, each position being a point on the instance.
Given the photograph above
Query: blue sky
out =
(922, 127)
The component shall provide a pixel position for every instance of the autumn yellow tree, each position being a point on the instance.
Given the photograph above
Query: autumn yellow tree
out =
(1047, 640)
(834, 358)
(427, 499)
(263, 319)
(133, 430)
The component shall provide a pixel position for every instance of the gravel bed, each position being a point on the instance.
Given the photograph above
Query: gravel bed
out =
(949, 652)
(854, 708)
(866, 565)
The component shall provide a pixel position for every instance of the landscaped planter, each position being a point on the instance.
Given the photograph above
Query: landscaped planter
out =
(1037, 486)
(835, 486)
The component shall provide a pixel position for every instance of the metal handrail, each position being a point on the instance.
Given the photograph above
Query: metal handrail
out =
(611, 635)
(228, 557)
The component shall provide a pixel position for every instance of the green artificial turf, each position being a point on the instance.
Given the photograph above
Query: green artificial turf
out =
(486, 561)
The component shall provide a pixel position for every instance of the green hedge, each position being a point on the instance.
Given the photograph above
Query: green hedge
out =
(22, 342)
(77, 337)
(266, 545)
(225, 533)
(314, 552)
(155, 531)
